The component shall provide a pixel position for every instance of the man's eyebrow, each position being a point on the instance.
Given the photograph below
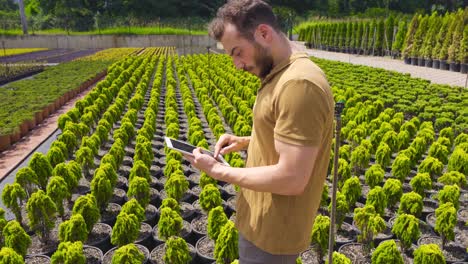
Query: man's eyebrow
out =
(232, 51)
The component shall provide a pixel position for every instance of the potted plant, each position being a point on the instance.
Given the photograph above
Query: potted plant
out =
(410, 34)
(455, 45)
(133, 207)
(401, 167)
(453, 177)
(446, 219)
(421, 182)
(176, 185)
(13, 196)
(170, 203)
(170, 223)
(86, 206)
(360, 158)
(55, 156)
(177, 251)
(383, 155)
(443, 51)
(342, 208)
(8, 255)
(403, 139)
(16, 238)
(439, 152)
(393, 190)
(41, 213)
(84, 156)
(344, 171)
(463, 55)
(74, 229)
(450, 193)
(125, 230)
(411, 203)
(458, 161)
(374, 175)
(369, 223)
(352, 190)
(41, 166)
(210, 198)
(128, 254)
(406, 229)
(428, 254)
(432, 166)
(319, 236)
(387, 252)
(139, 189)
(226, 248)
(139, 169)
(102, 190)
(57, 190)
(216, 220)
(27, 178)
(205, 180)
(69, 252)
(377, 198)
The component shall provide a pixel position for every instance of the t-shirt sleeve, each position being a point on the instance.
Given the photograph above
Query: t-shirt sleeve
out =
(301, 110)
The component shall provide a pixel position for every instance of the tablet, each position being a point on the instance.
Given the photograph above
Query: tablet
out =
(187, 148)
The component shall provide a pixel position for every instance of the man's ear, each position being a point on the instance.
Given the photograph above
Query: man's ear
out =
(263, 33)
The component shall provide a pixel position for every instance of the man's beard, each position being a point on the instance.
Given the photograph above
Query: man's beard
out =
(263, 61)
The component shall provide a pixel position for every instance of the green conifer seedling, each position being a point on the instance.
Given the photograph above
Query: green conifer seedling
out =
(69, 253)
(74, 229)
(128, 254)
(16, 238)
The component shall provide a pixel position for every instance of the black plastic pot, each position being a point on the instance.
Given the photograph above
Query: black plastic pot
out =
(202, 258)
(160, 248)
(87, 248)
(407, 60)
(421, 62)
(414, 61)
(107, 259)
(103, 244)
(464, 68)
(428, 63)
(37, 259)
(444, 65)
(436, 64)
(454, 67)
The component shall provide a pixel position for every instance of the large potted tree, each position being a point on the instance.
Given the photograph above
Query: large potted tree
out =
(463, 55)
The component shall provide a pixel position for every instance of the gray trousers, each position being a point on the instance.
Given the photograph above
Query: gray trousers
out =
(250, 254)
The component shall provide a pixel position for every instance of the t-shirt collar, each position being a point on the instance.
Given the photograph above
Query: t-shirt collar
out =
(283, 64)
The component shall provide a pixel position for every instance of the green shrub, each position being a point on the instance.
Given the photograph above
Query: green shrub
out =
(139, 169)
(439, 152)
(428, 254)
(8, 255)
(458, 161)
(27, 179)
(339, 258)
(133, 207)
(352, 190)
(453, 177)
(74, 229)
(176, 186)
(393, 190)
(13, 196)
(406, 229)
(16, 238)
(139, 189)
(450, 193)
(401, 167)
(41, 166)
(216, 220)
(210, 198)
(374, 175)
(411, 203)
(320, 234)
(446, 219)
(360, 158)
(387, 252)
(205, 180)
(421, 182)
(369, 223)
(177, 251)
(86, 206)
(377, 198)
(85, 157)
(226, 248)
(128, 254)
(170, 223)
(383, 155)
(68, 253)
(57, 190)
(125, 230)
(170, 203)
(41, 213)
(342, 208)
(102, 190)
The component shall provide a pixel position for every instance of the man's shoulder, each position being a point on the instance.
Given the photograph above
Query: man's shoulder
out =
(303, 69)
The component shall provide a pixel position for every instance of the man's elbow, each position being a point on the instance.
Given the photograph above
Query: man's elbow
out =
(296, 187)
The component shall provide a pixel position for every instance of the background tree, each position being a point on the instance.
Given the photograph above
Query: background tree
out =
(16, 238)
(74, 229)
(409, 38)
(69, 252)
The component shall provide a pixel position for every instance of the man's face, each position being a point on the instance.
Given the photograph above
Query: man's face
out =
(247, 55)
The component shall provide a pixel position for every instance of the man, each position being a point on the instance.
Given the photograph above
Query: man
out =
(289, 149)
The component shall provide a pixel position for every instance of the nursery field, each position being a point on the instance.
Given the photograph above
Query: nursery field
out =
(108, 189)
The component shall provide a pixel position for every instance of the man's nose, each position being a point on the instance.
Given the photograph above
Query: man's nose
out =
(239, 65)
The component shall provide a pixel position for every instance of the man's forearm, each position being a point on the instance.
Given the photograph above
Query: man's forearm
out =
(245, 142)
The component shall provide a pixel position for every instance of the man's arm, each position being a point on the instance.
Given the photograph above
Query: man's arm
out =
(288, 177)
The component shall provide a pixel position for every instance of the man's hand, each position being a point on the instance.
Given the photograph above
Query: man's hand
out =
(204, 163)
(230, 143)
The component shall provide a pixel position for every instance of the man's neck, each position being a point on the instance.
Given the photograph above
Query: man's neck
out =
(281, 51)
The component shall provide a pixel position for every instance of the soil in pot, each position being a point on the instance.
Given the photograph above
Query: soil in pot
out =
(37, 259)
(346, 234)
(200, 226)
(119, 197)
(107, 259)
(461, 236)
(356, 253)
(39, 248)
(205, 250)
(310, 256)
(144, 237)
(109, 216)
(462, 217)
(100, 237)
(155, 198)
(157, 254)
(93, 254)
(151, 215)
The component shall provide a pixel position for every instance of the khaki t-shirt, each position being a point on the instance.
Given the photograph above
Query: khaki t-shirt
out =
(295, 106)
